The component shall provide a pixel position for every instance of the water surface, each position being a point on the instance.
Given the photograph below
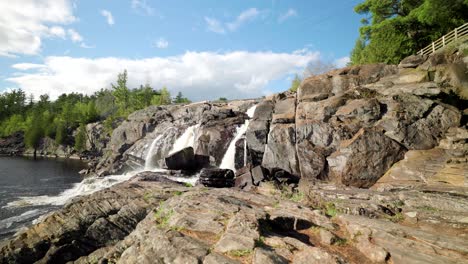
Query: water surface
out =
(23, 177)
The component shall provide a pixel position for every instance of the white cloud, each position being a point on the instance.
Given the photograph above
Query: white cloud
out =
(214, 25)
(108, 15)
(342, 62)
(288, 14)
(198, 75)
(244, 17)
(141, 6)
(161, 43)
(74, 36)
(24, 23)
(28, 66)
(57, 31)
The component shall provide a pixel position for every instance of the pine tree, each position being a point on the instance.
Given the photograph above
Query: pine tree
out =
(80, 138)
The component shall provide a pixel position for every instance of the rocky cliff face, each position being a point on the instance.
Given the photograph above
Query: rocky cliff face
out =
(348, 126)
(380, 153)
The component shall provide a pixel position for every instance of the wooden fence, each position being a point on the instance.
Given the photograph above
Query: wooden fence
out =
(454, 35)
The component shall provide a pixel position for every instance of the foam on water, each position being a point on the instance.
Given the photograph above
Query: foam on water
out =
(8, 222)
(228, 161)
(87, 186)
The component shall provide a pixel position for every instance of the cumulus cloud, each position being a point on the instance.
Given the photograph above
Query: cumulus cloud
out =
(108, 15)
(288, 14)
(198, 75)
(342, 62)
(23, 24)
(142, 7)
(216, 26)
(161, 43)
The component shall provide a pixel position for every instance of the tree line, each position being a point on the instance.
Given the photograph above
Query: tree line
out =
(42, 117)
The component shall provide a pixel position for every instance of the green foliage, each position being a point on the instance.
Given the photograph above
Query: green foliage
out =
(34, 132)
(54, 119)
(60, 133)
(295, 83)
(80, 139)
(395, 29)
(223, 99)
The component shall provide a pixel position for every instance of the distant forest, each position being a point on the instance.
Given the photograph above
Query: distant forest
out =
(41, 117)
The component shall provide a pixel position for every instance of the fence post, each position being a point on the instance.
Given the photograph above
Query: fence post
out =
(433, 47)
(443, 41)
(456, 33)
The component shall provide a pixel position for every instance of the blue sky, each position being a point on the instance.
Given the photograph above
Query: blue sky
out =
(206, 49)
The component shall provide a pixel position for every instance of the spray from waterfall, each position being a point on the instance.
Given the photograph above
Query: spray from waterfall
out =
(228, 161)
(187, 139)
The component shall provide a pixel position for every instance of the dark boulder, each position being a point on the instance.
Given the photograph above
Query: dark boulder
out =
(185, 159)
(219, 178)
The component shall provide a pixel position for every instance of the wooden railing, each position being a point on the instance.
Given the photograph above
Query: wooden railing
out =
(454, 35)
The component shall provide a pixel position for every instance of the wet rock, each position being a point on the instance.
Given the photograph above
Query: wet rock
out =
(218, 178)
(185, 159)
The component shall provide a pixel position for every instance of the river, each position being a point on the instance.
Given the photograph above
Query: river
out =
(24, 181)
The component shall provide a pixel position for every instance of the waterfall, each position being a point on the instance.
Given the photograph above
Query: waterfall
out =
(94, 184)
(149, 155)
(228, 161)
(187, 139)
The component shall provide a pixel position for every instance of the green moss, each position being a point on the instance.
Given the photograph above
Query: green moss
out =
(162, 216)
(340, 242)
(398, 217)
(330, 209)
(240, 253)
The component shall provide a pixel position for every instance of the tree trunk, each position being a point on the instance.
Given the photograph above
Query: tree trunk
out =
(35, 154)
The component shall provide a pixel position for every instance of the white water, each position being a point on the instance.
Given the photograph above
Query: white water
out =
(228, 161)
(187, 139)
(87, 186)
(149, 155)
(94, 184)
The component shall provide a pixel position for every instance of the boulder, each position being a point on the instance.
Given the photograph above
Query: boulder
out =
(244, 181)
(285, 110)
(257, 131)
(218, 178)
(362, 160)
(280, 152)
(412, 61)
(185, 159)
(259, 174)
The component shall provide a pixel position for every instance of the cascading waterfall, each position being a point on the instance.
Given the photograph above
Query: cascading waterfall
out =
(228, 161)
(149, 155)
(94, 184)
(187, 139)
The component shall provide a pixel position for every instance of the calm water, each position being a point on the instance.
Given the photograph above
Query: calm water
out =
(24, 182)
